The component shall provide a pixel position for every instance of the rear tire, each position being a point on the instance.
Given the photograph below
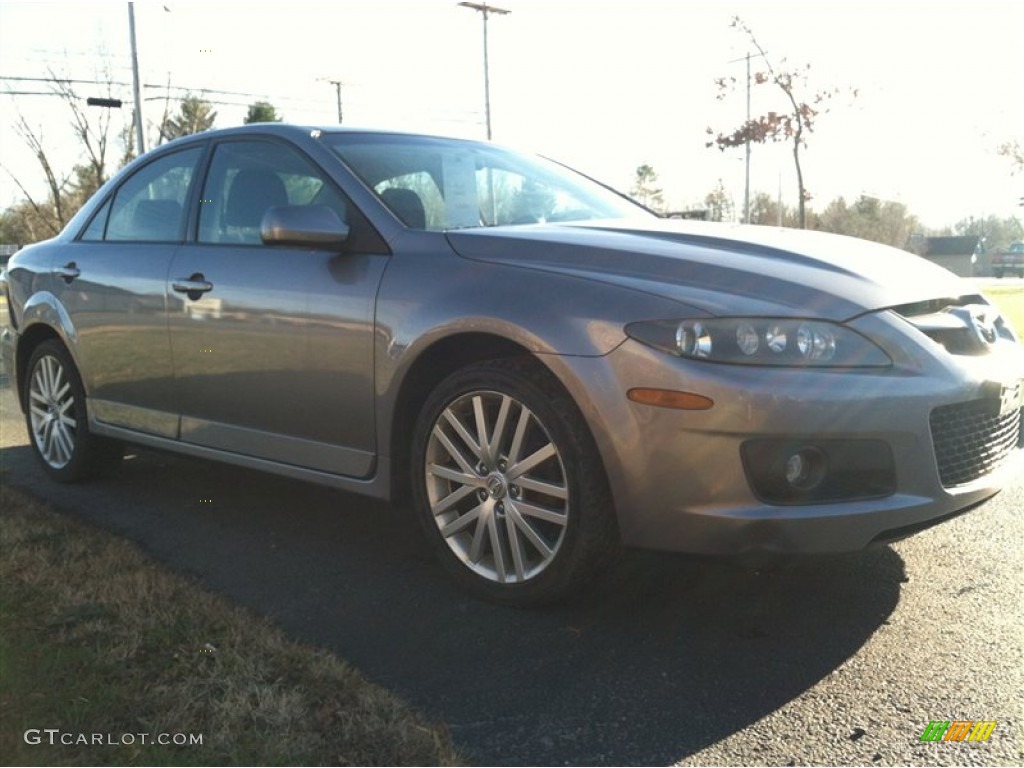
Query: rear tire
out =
(509, 486)
(58, 425)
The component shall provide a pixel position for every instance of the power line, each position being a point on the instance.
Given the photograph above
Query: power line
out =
(65, 80)
(181, 89)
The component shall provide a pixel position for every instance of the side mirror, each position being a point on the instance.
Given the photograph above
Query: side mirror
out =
(309, 226)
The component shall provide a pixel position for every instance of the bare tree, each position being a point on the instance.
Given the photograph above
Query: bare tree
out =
(66, 192)
(789, 125)
(50, 213)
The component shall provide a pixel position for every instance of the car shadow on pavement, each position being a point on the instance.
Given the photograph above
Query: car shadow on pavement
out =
(668, 656)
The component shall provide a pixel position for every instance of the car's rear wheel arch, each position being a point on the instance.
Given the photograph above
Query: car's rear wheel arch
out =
(31, 338)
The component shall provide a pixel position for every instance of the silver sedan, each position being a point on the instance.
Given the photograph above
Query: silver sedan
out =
(542, 368)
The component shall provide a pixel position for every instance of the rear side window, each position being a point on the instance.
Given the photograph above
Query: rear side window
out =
(151, 205)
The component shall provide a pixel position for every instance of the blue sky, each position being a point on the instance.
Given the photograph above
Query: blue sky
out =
(600, 84)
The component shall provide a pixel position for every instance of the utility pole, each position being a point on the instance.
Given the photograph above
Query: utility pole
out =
(486, 10)
(337, 89)
(746, 183)
(135, 80)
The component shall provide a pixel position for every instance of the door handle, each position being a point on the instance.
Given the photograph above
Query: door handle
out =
(194, 286)
(68, 272)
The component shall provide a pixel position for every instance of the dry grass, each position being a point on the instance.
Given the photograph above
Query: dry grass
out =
(96, 638)
(1010, 300)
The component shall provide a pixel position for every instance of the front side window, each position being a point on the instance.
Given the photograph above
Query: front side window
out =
(440, 184)
(151, 205)
(248, 177)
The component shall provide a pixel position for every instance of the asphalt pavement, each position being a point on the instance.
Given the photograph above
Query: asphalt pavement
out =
(674, 660)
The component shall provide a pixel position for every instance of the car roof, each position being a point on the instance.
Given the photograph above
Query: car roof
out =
(296, 131)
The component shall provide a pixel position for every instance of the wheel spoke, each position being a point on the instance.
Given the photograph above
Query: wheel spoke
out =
(43, 377)
(548, 489)
(447, 473)
(497, 550)
(516, 545)
(541, 513)
(453, 451)
(517, 439)
(494, 446)
(59, 396)
(535, 538)
(461, 522)
(63, 440)
(461, 431)
(49, 442)
(476, 548)
(451, 500)
(481, 428)
(52, 373)
(531, 461)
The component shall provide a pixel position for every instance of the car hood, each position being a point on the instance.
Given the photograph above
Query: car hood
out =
(722, 269)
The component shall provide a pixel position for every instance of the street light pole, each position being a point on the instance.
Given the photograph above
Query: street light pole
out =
(486, 10)
(135, 80)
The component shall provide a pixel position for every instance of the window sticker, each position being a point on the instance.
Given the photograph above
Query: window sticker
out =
(460, 201)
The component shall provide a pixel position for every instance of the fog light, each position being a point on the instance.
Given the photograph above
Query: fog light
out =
(805, 468)
(798, 471)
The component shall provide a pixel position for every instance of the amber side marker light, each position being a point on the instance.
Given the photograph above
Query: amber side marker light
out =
(669, 398)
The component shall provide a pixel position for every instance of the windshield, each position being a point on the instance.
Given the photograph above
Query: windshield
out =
(440, 184)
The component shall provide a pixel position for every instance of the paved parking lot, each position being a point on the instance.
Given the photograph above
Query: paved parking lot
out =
(830, 661)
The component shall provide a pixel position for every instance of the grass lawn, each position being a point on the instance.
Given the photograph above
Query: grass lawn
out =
(99, 642)
(1010, 300)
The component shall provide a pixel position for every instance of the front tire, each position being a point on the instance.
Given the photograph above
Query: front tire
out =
(508, 484)
(58, 425)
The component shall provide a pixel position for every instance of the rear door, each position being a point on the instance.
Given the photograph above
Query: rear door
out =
(273, 345)
(113, 287)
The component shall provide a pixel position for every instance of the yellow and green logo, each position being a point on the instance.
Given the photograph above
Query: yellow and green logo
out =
(958, 730)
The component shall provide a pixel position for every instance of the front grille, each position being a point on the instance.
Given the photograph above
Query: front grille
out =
(971, 440)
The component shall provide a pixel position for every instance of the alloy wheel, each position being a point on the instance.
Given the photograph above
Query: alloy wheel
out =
(497, 486)
(51, 403)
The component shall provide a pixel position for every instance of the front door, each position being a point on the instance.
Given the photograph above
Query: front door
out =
(273, 346)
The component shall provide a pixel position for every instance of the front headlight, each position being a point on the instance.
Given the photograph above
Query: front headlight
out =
(761, 341)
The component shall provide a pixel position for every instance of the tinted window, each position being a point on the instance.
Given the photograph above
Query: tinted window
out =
(151, 205)
(98, 224)
(248, 177)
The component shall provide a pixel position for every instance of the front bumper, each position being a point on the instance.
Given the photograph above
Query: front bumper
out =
(678, 477)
